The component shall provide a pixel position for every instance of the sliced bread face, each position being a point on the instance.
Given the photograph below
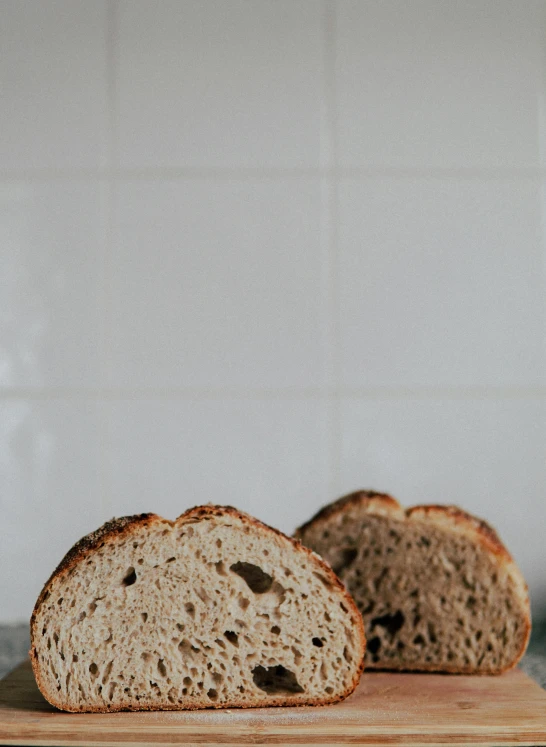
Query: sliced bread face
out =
(437, 589)
(213, 610)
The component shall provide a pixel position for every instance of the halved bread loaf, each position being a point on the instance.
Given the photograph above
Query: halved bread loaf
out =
(437, 589)
(214, 609)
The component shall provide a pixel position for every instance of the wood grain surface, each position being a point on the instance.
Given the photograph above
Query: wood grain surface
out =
(386, 709)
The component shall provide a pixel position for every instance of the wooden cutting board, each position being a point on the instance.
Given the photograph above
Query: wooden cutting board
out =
(386, 709)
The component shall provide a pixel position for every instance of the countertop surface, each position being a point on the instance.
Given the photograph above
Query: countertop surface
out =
(14, 645)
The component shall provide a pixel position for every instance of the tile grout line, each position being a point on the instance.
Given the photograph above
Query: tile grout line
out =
(542, 189)
(110, 188)
(331, 126)
(272, 173)
(113, 394)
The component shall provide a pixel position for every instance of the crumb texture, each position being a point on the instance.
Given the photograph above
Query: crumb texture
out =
(208, 611)
(433, 597)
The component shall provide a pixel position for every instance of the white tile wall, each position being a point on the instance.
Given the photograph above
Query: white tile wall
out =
(49, 467)
(52, 248)
(218, 284)
(265, 455)
(439, 83)
(220, 83)
(266, 252)
(53, 90)
(441, 282)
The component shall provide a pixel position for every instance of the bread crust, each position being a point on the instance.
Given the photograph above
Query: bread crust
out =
(370, 499)
(126, 526)
(448, 516)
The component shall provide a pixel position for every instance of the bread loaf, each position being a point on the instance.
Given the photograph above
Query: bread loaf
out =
(437, 589)
(213, 610)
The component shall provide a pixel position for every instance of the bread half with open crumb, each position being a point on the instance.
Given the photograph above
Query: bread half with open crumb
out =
(436, 587)
(214, 609)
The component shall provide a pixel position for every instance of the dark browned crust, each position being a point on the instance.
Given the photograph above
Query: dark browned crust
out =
(480, 529)
(125, 526)
(338, 506)
(488, 535)
(86, 544)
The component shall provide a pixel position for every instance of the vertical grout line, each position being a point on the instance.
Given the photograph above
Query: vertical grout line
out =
(330, 192)
(330, 84)
(336, 433)
(108, 217)
(542, 189)
(541, 103)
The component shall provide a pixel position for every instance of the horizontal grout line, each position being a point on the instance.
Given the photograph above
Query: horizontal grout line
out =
(325, 393)
(251, 173)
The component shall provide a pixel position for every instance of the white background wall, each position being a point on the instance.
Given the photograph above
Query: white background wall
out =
(264, 253)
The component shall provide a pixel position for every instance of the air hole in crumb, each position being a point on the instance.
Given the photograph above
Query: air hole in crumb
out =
(171, 560)
(317, 642)
(243, 603)
(140, 561)
(419, 640)
(256, 579)
(162, 668)
(130, 577)
(374, 645)
(212, 694)
(275, 630)
(391, 623)
(144, 616)
(329, 690)
(56, 638)
(220, 568)
(74, 657)
(190, 609)
(343, 607)
(325, 581)
(93, 668)
(276, 679)
(232, 637)
(347, 655)
(347, 558)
